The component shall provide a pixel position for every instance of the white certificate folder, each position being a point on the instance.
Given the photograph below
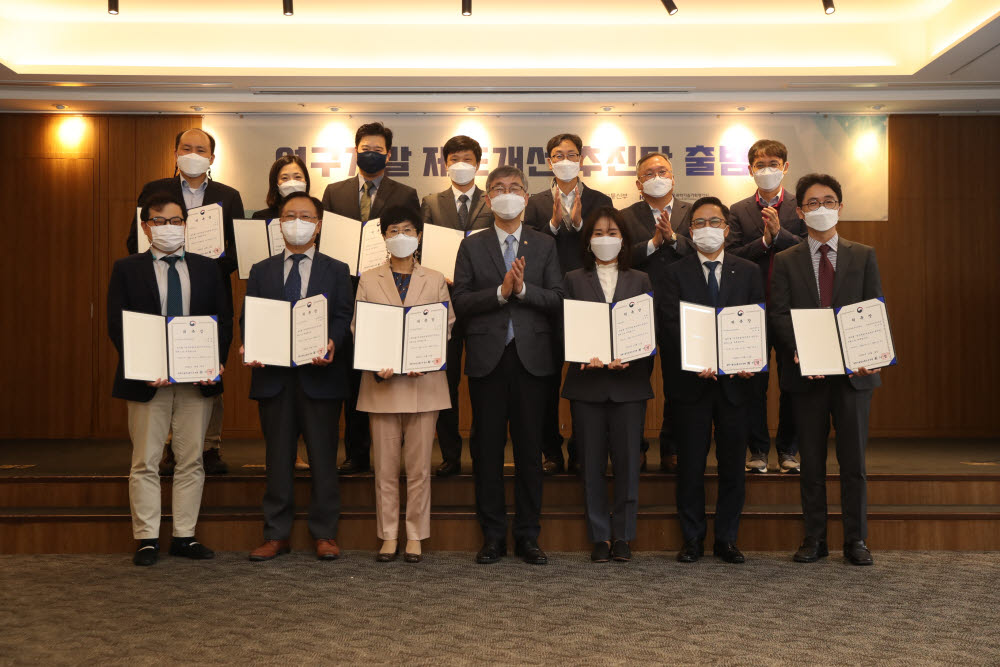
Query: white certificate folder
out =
(727, 340)
(840, 341)
(404, 338)
(256, 240)
(623, 330)
(283, 333)
(177, 349)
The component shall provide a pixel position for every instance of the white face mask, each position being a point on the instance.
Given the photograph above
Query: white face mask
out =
(402, 245)
(658, 187)
(606, 248)
(508, 206)
(566, 170)
(167, 238)
(822, 218)
(768, 178)
(288, 187)
(708, 239)
(461, 173)
(297, 232)
(193, 164)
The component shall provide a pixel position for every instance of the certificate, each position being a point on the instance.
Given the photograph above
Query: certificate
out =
(282, 333)
(403, 338)
(309, 335)
(699, 349)
(141, 240)
(440, 248)
(624, 330)
(425, 339)
(817, 342)
(144, 353)
(475, 231)
(726, 340)
(193, 348)
(275, 239)
(256, 240)
(372, 252)
(358, 244)
(203, 231)
(865, 339)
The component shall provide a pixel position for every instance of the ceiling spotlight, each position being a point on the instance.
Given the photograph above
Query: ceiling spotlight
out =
(671, 6)
(828, 6)
(741, 108)
(197, 108)
(877, 107)
(466, 7)
(60, 107)
(471, 108)
(334, 108)
(289, 10)
(113, 7)
(607, 108)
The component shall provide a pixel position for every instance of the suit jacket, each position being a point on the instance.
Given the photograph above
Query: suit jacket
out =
(439, 209)
(215, 192)
(746, 231)
(266, 214)
(741, 284)
(538, 214)
(342, 197)
(600, 385)
(793, 285)
(479, 270)
(642, 226)
(327, 276)
(133, 287)
(401, 393)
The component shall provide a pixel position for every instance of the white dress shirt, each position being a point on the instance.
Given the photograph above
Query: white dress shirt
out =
(305, 268)
(668, 210)
(160, 268)
(193, 197)
(718, 269)
(608, 275)
(502, 235)
(568, 199)
(458, 193)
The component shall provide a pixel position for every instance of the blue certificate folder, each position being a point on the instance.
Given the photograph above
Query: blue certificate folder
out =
(215, 319)
(729, 340)
(623, 330)
(148, 347)
(763, 368)
(388, 336)
(865, 336)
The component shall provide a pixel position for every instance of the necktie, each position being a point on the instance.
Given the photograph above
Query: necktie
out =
(825, 277)
(508, 259)
(713, 283)
(293, 283)
(175, 300)
(366, 200)
(463, 211)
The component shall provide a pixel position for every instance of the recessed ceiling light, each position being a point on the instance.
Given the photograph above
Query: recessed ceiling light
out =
(877, 107)
(287, 7)
(334, 108)
(471, 108)
(607, 108)
(60, 106)
(197, 108)
(113, 7)
(741, 108)
(466, 7)
(670, 6)
(828, 7)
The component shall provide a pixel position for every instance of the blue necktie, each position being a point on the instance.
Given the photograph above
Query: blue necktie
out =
(508, 258)
(293, 284)
(713, 284)
(175, 299)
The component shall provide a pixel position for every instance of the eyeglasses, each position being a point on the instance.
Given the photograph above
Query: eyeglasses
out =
(498, 190)
(559, 157)
(814, 204)
(160, 221)
(408, 231)
(663, 173)
(288, 217)
(699, 223)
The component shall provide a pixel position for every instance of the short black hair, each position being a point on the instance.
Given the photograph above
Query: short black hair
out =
(397, 214)
(211, 139)
(559, 138)
(767, 147)
(462, 143)
(711, 201)
(587, 230)
(303, 195)
(373, 130)
(273, 193)
(157, 202)
(810, 180)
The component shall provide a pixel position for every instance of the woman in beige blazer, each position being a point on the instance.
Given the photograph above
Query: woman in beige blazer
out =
(403, 409)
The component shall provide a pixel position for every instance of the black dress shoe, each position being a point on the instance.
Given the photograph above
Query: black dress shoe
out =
(188, 547)
(642, 462)
(621, 551)
(530, 552)
(812, 550)
(669, 464)
(167, 463)
(448, 468)
(351, 467)
(552, 467)
(212, 460)
(572, 467)
(601, 552)
(412, 558)
(728, 552)
(491, 552)
(147, 553)
(857, 553)
(690, 552)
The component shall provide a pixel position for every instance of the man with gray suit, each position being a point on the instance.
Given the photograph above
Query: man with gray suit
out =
(826, 271)
(508, 289)
(462, 206)
(364, 197)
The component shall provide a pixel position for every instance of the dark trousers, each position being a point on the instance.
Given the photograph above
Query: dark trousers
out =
(357, 432)
(616, 428)
(552, 440)
(283, 418)
(760, 437)
(693, 424)
(668, 438)
(449, 439)
(850, 409)
(508, 396)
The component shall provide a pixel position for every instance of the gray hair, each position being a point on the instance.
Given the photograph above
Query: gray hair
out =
(648, 156)
(505, 171)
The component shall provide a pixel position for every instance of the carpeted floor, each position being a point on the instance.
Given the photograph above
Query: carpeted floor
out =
(911, 608)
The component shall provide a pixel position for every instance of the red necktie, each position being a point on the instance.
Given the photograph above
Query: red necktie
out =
(825, 277)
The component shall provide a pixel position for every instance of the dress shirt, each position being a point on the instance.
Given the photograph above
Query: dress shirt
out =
(773, 203)
(502, 235)
(193, 198)
(815, 254)
(567, 201)
(608, 275)
(458, 193)
(669, 210)
(377, 182)
(305, 268)
(160, 268)
(718, 270)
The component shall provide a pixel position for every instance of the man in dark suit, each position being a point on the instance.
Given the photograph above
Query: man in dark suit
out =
(652, 221)
(364, 197)
(761, 226)
(167, 281)
(712, 277)
(562, 217)
(303, 400)
(192, 186)
(826, 271)
(508, 289)
(462, 206)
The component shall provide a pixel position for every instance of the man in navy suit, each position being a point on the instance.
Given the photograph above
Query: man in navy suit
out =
(167, 281)
(192, 186)
(302, 400)
(710, 277)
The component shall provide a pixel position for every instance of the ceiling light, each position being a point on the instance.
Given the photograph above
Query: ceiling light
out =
(334, 108)
(197, 108)
(471, 108)
(607, 108)
(59, 106)
(671, 6)
(466, 7)
(877, 107)
(828, 6)
(113, 7)
(289, 10)
(741, 108)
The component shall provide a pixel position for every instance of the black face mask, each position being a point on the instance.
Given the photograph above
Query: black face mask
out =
(371, 162)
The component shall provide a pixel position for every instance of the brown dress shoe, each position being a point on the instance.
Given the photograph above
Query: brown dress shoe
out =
(327, 550)
(270, 549)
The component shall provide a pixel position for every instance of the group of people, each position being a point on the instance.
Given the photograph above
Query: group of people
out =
(505, 313)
